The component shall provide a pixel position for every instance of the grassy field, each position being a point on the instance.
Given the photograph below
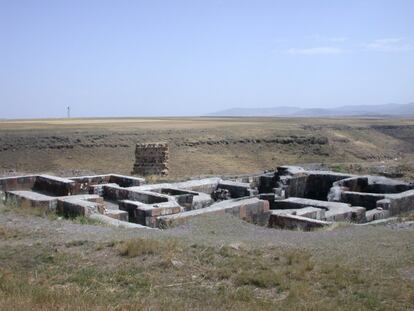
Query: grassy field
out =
(205, 146)
(211, 264)
(47, 263)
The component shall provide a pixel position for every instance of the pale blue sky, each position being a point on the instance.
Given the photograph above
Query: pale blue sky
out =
(143, 58)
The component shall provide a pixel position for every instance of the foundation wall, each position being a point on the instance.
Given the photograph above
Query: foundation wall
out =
(26, 199)
(237, 189)
(368, 200)
(146, 214)
(55, 185)
(251, 210)
(284, 221)
(73, 206)
(398, 203)
(116, 193)
(17, 183)
(318, 185)
(374, 184)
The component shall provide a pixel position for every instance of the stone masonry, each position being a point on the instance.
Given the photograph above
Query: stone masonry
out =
(289, 197)
(151, 159)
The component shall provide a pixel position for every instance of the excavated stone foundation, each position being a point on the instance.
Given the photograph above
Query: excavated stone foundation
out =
(289, 197)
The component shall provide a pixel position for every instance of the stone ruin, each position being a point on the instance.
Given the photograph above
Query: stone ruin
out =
(289, 197)
(151, 159)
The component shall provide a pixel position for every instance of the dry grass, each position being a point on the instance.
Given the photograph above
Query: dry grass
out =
(228, 145)
(409, 216)
(9, 233)
(337, 225)
(139, 247)
(198, 277)
(174, 274)
(83, 220)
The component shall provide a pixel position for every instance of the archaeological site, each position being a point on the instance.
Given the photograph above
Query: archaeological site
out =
(289, 197)
(207, 155)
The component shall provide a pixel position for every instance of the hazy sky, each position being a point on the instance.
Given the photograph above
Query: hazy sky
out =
(141, 58)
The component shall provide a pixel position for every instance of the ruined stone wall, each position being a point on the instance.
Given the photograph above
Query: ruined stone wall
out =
(151, 159)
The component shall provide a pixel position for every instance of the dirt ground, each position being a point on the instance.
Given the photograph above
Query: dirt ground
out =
(206, 146)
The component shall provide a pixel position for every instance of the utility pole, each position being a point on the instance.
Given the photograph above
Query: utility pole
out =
(68, 111)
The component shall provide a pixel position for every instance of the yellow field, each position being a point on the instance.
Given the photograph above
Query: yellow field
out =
(204, 146)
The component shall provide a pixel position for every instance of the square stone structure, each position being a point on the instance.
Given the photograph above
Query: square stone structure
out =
(151, 159)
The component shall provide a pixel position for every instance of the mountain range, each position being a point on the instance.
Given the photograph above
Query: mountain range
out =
(393, 110)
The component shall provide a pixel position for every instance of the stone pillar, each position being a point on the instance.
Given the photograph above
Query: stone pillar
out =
(151, 159)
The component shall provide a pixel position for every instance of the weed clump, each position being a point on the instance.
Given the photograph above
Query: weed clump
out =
(261, 279)
(8, 233)
(83, 220)
(140, 247)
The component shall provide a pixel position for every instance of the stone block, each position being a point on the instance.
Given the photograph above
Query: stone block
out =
(82, 205)
(400, 202)
(55, 186)
(311, 212)
(146, 214)
(236, 189)
(368, 200)
(294, 222)
(251, 210)
(17, 183)
(376, 214)
(117, 214)
(27, 199)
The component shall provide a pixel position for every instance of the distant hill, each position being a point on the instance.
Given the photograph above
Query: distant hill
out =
(394, 110)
